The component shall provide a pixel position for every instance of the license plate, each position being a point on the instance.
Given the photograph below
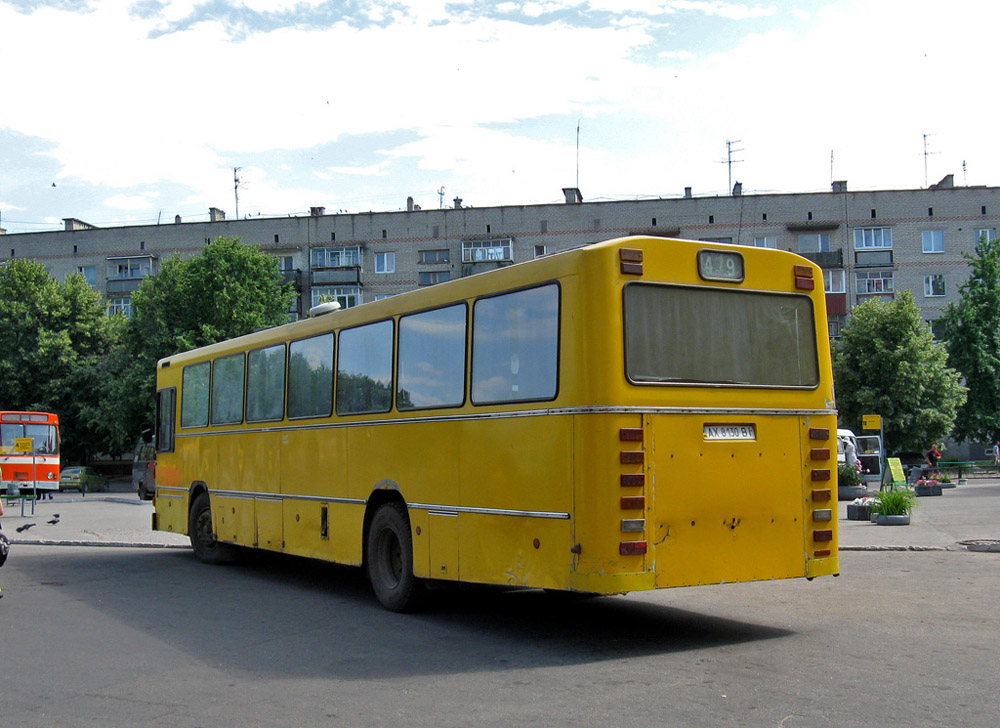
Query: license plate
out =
(730, 432)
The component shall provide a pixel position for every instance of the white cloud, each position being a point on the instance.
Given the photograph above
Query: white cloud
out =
(131, 202)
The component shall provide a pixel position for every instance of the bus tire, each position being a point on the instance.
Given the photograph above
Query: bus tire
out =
(202, 535)
(389, 559)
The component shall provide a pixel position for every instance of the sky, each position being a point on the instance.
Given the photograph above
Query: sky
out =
(118, 113)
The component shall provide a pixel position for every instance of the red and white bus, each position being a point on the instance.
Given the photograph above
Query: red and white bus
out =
(24, 468)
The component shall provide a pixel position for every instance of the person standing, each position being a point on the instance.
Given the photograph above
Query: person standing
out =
(933, 455)
(996, 455)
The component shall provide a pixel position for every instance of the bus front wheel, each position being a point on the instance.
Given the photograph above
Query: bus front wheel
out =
(202, 535)
(390, 559)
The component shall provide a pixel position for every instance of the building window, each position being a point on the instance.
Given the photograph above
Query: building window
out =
(874, 237)
(766, 241)
(346, 296)
(874, 282)
(933, 241)
(433, 256)
(120, 305)
(90, 273)
(539, 251)
(385, 262)
(833, 281)
(334, 257)
(814, 243)
(727, 241)
(934, 285)
(476, 251)
(986, 235)
(431, 277)
(125, 268)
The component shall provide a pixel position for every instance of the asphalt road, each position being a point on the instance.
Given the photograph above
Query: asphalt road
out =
(149, 636)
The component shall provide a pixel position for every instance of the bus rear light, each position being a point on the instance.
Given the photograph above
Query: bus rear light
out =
(631, 261)
(821, 474)
(803, 271)
(823, 514)
(632, 457)
(805, 284)
(633, 502)
(819, 453)
(823, 536)
(629, 481)
(819, 433)
(630, 434)
(821, 553)
(632, 548)
(633, 525)
(821, 495)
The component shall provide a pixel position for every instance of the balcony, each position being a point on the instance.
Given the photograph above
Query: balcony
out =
(347, 275)
(293, 276)
(828, 259)
(119, 286)
(873, 258)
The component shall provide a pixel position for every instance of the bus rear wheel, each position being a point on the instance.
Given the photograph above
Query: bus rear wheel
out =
(202, 535)
(390, 559)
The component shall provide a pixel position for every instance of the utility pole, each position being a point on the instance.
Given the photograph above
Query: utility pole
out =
(236, 190)
(729, 161)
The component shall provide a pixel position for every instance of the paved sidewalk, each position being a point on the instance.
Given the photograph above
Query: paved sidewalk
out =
(119, 518)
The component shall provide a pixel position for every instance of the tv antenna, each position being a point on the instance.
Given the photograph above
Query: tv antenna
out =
(729, 161)
(236, 190)
(926, 154)
(578, 154)
(441, 197)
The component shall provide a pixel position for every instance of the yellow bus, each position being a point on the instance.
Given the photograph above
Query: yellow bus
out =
(634, 414)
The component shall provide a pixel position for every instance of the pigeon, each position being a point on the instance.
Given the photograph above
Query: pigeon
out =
(54, 521)
(55, 515)
(25, 527)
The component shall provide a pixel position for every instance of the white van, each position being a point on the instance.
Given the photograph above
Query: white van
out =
(867, 449)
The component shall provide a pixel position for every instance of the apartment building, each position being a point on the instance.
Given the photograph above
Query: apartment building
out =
(869, 243)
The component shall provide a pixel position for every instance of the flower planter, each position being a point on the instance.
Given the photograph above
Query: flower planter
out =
(858, 513)
(922, 489)
(881, 520)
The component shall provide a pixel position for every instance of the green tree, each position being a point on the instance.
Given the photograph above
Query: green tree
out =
(230, 289)
(972, 332)
(52, 336)
(888, 363)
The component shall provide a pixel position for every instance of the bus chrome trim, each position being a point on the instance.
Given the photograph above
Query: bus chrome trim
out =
(713, 411)
(435, 508)
(441, 510)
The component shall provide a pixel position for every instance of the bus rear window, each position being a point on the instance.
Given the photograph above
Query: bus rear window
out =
(700, 335)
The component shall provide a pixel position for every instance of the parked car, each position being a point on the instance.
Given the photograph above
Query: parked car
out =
(143, 468)
(81, 478)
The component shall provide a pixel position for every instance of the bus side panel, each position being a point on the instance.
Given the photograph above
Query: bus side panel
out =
(420, 461)
(521, 464)
(727, 510)
(313, 469)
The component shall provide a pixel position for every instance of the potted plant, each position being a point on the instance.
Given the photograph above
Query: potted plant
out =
(893, 507)
(849, 485)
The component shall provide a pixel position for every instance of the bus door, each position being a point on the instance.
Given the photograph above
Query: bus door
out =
(727, 498)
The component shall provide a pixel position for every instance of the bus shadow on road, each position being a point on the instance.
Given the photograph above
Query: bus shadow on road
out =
(314, 618)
